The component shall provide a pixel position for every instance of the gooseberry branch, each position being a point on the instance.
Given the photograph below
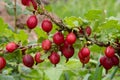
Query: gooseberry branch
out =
(62, 26)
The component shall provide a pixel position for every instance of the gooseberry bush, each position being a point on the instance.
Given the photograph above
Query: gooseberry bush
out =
(65, 49)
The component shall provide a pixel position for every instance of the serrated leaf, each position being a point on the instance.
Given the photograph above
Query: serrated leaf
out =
(3, 26)
(109, 30)
(5, 32)
(73, 21)
(21, 36)
(93, 14)
(109, 24)
(53, 73)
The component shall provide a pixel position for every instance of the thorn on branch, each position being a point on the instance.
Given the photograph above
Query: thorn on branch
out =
(94, 41)
(39, 2)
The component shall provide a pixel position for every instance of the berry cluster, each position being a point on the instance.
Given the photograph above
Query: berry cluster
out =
(110, 59)
(60, 43)
(29, 3)
(84, 55)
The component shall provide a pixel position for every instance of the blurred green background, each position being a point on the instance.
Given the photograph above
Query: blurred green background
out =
(64, 8)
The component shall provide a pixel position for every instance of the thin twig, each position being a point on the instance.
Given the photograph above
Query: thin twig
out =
(15, 16)
(94, 41)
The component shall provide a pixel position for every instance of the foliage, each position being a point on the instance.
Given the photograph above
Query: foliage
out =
(105, 27)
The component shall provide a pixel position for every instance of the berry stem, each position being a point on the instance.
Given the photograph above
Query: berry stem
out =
(83, 65)
(67, 60)
(106, 71)
(54, 65)
(0, 71)
(29, 30)
(36, 63)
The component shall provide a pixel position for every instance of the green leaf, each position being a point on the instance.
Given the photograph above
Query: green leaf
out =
(114, 72)
(73, 21)
(21, 36)
(110, 24)
(14, 58)
(66, 76)
(10, 8)
(87, 77)
(3, 27)
(93, 14)
(41, 34)
(48, 8)
(53, 73)
(71, 64)
(108, 31)
(5, 32)
(6, 77)
(98, 72)
(29, 73)
(95, 50)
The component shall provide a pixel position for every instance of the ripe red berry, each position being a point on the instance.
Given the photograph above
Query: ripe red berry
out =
(34, 4)
(85, 52)
(46, 44)
(25, 2)
(67, 44)
(68, 52)
(2, 63)
(54, 58)
(28, 60)
(32, 22)
(102, 60)
(29, 2)
(58, 38)
(107, 64)
(80, 55)
(109, 51)
(71, 38)
(46, 25)
(10, 47)
(37, 57)
(85, 60)
(115, 60)
(88, 30)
